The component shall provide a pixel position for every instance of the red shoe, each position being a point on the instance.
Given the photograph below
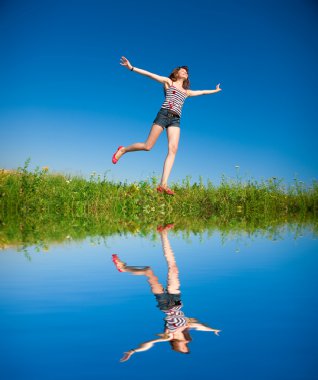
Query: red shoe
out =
(114, 159)
(166, 190)
(166, 227)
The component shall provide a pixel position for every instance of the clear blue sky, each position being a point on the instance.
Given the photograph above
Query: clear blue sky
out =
(66, 102)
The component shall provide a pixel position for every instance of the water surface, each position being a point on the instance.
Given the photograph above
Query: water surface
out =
(69, 313)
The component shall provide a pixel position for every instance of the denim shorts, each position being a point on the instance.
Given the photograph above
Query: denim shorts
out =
(166, 119)
(167, 300)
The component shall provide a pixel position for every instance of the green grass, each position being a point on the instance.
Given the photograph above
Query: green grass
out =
(39, 207)
(41, 193)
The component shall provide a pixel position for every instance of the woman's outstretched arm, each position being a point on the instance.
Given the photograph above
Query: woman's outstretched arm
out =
(146, 346)
(204, 92)
(193, 323)
(159, 78)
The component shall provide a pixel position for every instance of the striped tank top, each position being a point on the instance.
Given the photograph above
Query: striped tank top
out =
(174, 100)
(175, 318)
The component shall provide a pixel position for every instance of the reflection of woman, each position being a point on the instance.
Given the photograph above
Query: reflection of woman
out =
(176, 88)
(177, 325)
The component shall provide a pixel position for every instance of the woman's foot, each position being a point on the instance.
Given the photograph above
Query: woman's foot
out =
(165, 227)
(119, 152)
(119, 264)
(165, 189)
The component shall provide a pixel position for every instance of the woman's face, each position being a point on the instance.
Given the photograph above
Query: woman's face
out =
(182, 346)
(182, 73)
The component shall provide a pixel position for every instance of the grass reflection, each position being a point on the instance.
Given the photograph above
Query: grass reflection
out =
(22, 231)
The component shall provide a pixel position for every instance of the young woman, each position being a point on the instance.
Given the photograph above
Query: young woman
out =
(176, 88)
(177, 325)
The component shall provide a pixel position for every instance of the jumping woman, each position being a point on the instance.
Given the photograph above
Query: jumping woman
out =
(176, 88)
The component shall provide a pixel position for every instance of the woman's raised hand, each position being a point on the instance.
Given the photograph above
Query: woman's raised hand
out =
(126, 356)
(125, 62)
(218, 87)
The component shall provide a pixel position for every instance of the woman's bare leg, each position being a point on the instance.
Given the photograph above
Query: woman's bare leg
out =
(155, 286)
(173, 282)
(154, 133)
(173, 134)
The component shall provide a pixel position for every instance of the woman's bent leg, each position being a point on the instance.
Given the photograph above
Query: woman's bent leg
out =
(153, 281)
(154, 133)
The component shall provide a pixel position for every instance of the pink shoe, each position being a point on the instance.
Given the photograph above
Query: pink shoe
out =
(117, 262)
(114, 159)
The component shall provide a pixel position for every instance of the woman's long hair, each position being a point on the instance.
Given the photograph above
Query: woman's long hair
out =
(174, 343)
(173, 76)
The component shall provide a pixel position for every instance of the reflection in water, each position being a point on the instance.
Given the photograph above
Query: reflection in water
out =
(177, 325)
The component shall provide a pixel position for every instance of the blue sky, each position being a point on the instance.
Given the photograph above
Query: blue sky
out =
(66, 102)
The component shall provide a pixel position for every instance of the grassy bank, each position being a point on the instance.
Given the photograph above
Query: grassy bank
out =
(42, 193)
(40, 207)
